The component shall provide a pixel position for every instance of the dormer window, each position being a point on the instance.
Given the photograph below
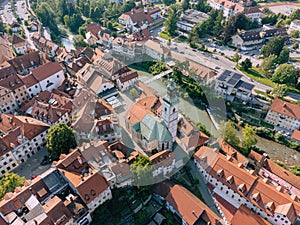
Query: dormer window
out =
(93, 192)
(86, 197)
(220, 173)
(229, 180)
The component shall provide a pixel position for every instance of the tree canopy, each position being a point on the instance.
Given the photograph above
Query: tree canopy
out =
(141, 170)
(246, 64)
(273, 47)
(228, 132)
(285, 74)
(248, 135)
(60, 139)
(171, 22)
(9, 182)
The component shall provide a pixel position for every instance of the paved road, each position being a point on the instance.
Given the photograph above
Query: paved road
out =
(203, 188)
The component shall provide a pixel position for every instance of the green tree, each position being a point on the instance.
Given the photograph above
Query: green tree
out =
(295, 46)
(9, 182)
(284, 55)
(134, 93)
(228, 132)
(185, 4)
(236, 57)
(285, 74)
(268, 64)
(295, 15)
(246, 64)
(295, 33)
(273, 47)
(248, 135)
(141, 170)
(109, 25)
(171, 22)
(79, 41)
(60, 139)
(280, 90)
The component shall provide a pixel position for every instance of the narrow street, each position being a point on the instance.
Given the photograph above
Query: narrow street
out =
(203, 187)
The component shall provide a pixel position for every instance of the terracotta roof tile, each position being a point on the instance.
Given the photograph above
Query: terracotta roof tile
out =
(190, 207)
(46, 70)
(286, 108)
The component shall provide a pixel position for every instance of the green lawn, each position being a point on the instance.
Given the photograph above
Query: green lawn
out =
(255, 75)
(165, 35)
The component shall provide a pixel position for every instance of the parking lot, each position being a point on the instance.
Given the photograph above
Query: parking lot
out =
(7, 14)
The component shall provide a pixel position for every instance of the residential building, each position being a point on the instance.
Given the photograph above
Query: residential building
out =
(46, 77)
(254, 13)
(296, 136)
(15, 27)
(44, 45)
(139, 18)
(19, 44)
(189, 208)
(190, 138)
(127, 81)
(47, 199)
(240, 186)
(266, 168)
(5, 50)
(82, 179)
(105, 38)
(13, 93)
(24, 64)
(247, 40)
(49, 107)
(190, 18)
(34, 26)
(295, 25)
(90, 75)
(229, 8)
(163, 163)
(110, 67)
(156, 50)
(23, 137)
(284, 115)
(229, 84)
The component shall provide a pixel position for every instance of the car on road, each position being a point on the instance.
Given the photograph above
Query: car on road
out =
(233, 67)
(217, 68)
(194, 50)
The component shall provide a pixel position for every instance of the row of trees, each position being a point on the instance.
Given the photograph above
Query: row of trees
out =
(229, 134)
(217, 26)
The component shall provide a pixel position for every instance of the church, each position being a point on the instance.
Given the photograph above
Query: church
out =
(152, 121)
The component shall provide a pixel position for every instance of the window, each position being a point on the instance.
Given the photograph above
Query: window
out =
(87, 197)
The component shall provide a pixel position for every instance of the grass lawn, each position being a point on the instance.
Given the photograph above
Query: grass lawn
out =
(165, 35)
(255, 75)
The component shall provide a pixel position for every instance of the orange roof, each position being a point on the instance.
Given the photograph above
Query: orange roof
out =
(143, 106)
(246, 216)
(88, 182)
(286, 108)
(296, 135)
(277, 170)
(231, 151)
(189, 206)
(231, 174)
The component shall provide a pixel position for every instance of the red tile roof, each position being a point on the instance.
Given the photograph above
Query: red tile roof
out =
(17, 39)
(128, 77)
(190, 207)
(296, 135)
(286, 108)
(46, 70)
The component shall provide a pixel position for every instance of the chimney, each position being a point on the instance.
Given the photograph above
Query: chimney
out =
(261, 163)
